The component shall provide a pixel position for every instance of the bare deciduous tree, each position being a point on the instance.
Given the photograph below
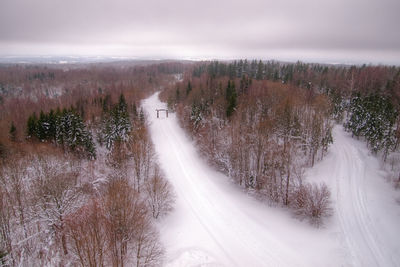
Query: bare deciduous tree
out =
(312, 201)
(117, 159)
(125, 212)
(6, 256)
(142, 153)
(159, 195)
(57, 195)
(86, 231)
(14, 175)
(147, 249)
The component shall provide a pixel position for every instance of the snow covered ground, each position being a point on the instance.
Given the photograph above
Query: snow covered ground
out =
(215, 224)
(366, 211)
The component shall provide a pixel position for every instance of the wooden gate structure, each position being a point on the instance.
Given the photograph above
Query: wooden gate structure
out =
(162, 109)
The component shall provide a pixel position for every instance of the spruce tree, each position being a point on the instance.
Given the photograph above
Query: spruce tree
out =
(13, 132)
(32, 126)
(141, 116)
(116, 124)
(134, 111)
(65, 128)
(373, 117)
(260, 69)
(177, 96)
(196, 116)
(42, 126)
(71, 132)
(231, 97)
(52, 120)
(188, 88)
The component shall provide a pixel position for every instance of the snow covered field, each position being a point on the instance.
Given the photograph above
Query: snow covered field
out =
(215, 224)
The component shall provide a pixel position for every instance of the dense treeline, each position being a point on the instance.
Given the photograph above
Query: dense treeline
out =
(263, 122)
(87, 88)
(262, 134)
(342, 79)
(79, 183)
(366, 97)
(65, 128)
(374, 117)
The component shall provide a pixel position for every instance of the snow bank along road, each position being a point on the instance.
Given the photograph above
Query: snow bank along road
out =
(216, 225)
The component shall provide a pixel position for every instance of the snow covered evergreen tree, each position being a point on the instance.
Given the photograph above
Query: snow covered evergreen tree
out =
(196, 117)
(116, 125)
(72, 133)
(141, 116)
(13, 132)
(373, 117)
(31, 126)
(42, 126)
(231, 97)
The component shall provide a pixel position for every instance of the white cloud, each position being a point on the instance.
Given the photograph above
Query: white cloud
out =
(216, 29)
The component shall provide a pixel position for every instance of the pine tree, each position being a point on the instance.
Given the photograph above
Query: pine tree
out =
(134, 111)
(71, 132)
(106, 103)
(122, 106)
(65, 128)
(231, 97)
(141, 116)
(3, 151)
(260, 69)
(373, 117)
(327, 139)
(188, 88)
(117, 124)
(356, 123)
(32, 126)
(52, 120)
(177, 96)
(316, 137)
(13, 132)
(42, 126)
(276, 76)
(196, 117)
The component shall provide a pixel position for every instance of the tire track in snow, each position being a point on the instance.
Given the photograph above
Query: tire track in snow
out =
(359, 230)
(230, 231)
(242, 241)
(193, 210)
(234, 230)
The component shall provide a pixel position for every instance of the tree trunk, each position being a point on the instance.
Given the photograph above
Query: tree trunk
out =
(64, 244)
(287, 188)
(313, 158)
(138, 256)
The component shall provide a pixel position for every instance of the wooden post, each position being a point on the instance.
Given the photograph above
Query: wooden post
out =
(167, 112)
(157, 113)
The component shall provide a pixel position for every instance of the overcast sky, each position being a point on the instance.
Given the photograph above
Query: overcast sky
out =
(357, 31)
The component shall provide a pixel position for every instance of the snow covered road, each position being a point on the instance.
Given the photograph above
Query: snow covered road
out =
(214, 224)
(365, 208)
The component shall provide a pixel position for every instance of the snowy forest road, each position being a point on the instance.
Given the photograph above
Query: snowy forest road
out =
(215, 224)
(364, 205)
